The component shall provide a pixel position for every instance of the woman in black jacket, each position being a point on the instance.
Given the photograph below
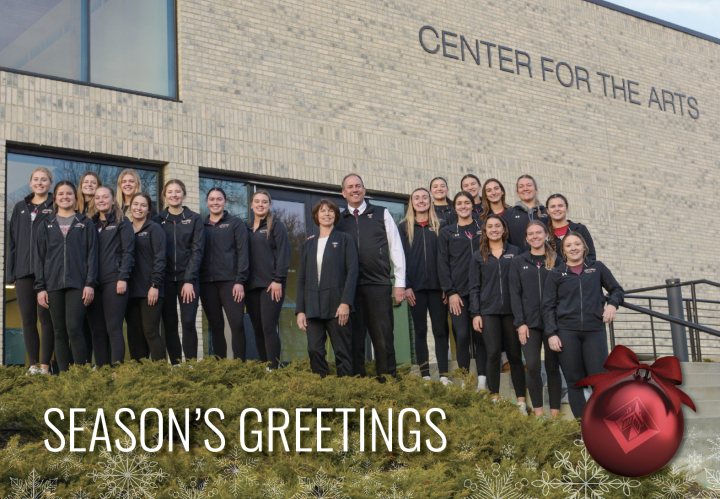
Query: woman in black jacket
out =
(116, 245)
(490, 306)
(442, 203)
(27, 217)
(456, 244)
(185, 242)
(558, 225)
(575, 312)
(223, 275)
(528, 208)
(270, 257)
(147, 281)
(326, 289)
(88, 184)
(493, 198)
(419, 234)
(471, 184)
(66, 272)
(528, 274)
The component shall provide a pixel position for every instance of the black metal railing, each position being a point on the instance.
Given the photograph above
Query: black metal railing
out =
(643, 313)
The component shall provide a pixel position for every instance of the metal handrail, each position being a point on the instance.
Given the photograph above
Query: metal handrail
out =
(673, 285)
(669, 318)
(649, 297)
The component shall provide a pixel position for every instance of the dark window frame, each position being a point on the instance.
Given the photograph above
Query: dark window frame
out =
(70, 155)
(109, 87)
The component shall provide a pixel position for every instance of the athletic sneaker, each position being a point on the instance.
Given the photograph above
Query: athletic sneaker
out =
(523, 408)
(33, 371)
(445, 381)
(482, 383)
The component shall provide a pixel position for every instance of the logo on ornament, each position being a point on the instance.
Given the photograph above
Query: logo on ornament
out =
(631, 425)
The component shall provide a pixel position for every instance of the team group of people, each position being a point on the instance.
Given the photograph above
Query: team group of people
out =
(512, 279)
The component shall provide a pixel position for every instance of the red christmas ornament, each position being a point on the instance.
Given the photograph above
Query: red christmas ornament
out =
(632, 425)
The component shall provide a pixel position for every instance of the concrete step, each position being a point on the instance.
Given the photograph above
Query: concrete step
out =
(701, 393)
(699, 367)
(705, 409)
(700, 379)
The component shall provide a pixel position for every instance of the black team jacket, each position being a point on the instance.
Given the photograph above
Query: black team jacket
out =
(185, 244)
(456, 245)
(116, 248)
(269, 256)
(337, 279)
(69, 261)
(584, 232)
(226, 256)
(446, 214)
(22, 234)
(527, 281)
(370, 237)
(490, 283)
(574, 302)
(517, 219)
(421, 271)
(150, 254)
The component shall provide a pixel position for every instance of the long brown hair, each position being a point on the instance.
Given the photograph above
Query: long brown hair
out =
(485, 240)
(57, 186)
(146, 197)
(409, 219)
(91, 203)
(486, 210)
(550, 220)
(269, 217)
(530, 177)
(586, 250)
(117, 211)
(550, 253)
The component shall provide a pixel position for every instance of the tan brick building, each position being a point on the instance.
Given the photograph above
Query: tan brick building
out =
(297, 94)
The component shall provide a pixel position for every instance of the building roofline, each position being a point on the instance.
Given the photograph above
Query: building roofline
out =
(655, 20)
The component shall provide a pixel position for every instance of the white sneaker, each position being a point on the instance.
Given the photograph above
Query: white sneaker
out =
(482, 383)
(268, 369)
(523, 408)
(44, 371)
(445, 381)
(33, 371)
(462, 385)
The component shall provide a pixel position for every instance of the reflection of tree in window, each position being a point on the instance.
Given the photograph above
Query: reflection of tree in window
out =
(236, 192)
(295, 225)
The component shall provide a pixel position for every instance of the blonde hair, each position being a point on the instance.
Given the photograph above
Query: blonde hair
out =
(177, 182)
(81, 197)
(269, 217)
(409, 219)
(119, 215)
(44, 170)
(138, 183)
(550, 254)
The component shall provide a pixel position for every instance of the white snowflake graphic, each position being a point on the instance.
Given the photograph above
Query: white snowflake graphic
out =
(321, 486)
(11, 455)
(3, 408)
(496, 485)
(586, 479)
(399, 470)
(394, 493)
(198, 464)
(79, 494)
(32, 488)
(87, 423)
(465, 450)
(353, 454)
(530, 464)
(508, 451)
(673, 486)
(714, 449)
(366, 478)
(238, 470)
(69, 463)
(274, 489)
(194, 489)
(713, 478)
(692, 435)
(695, 462)
(127, 475)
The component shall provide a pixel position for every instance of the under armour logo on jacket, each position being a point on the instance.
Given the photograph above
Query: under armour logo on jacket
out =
(22, 212)
(525, 267)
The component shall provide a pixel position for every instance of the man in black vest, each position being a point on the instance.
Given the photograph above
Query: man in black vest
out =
(378, 241)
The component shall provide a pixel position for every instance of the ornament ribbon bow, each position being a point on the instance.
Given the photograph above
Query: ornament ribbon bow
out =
(623, 362)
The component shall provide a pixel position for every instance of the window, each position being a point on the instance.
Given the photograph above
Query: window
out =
(127, 44)
(19, 167)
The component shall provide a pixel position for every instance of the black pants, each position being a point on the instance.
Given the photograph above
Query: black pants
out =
(340, 339)
(583, 354)
(499, 334)
(373, 314)
(137, 344)
(144, 321)
(29, 313)
(68, 313)
(215, 297)
(432, 301)
(463, 330)
(106, 316)
(265, 315)
(531, 349)
(188, 314)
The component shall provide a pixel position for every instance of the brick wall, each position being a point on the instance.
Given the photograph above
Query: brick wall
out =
(303, 91)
